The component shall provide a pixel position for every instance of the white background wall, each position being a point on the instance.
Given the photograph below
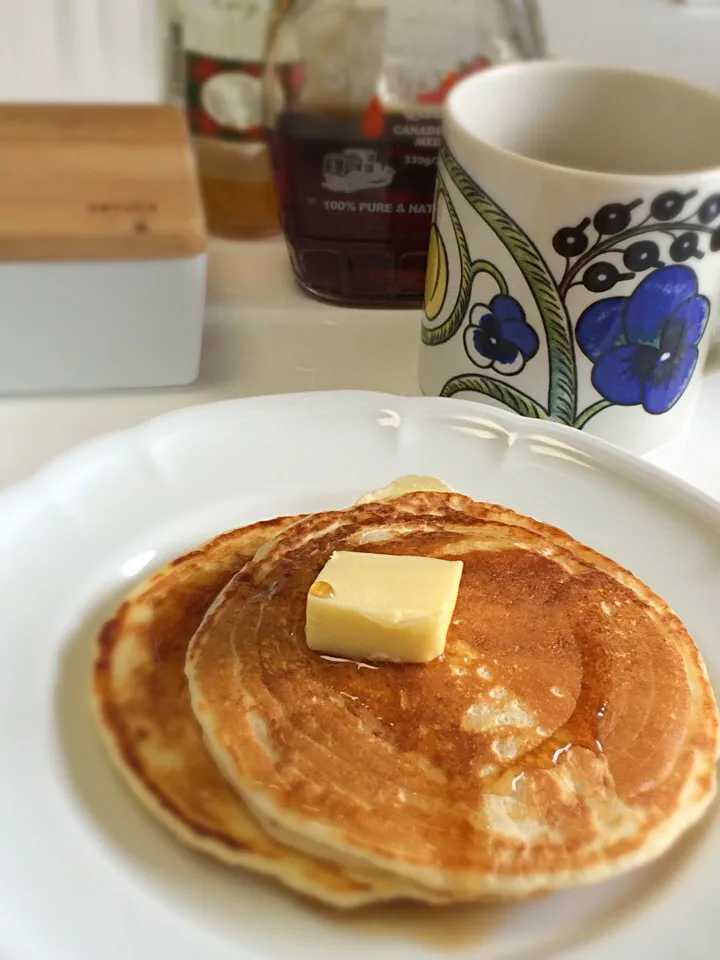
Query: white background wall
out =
(653, 34)
(107, 49)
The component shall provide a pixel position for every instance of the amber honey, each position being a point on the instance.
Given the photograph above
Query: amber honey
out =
(237, 188)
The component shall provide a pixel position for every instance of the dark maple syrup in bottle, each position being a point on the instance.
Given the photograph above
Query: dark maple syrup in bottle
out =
(356, 212)
(354, 91)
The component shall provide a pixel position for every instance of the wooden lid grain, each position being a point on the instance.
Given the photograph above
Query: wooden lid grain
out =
(97, 182)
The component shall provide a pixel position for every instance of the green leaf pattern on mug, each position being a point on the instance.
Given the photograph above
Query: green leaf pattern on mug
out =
(607, 332)
(469, 269)
(513, 398)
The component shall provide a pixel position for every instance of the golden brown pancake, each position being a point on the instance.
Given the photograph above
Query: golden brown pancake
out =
(568, 733)
(142, 702)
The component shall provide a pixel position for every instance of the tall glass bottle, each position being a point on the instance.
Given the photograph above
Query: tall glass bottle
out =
(216, 56)
(354, 91)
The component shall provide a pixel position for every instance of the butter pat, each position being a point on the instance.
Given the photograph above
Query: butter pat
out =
(369, 606)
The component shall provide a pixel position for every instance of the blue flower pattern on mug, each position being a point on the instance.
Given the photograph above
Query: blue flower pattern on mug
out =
(644, 347)
(499, 336)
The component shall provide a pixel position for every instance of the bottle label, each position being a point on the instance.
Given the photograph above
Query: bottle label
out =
(224, 43)
(425, 54)
(224, 98)
(337, 185)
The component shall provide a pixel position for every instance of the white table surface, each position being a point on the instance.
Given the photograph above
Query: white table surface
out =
(264, 336)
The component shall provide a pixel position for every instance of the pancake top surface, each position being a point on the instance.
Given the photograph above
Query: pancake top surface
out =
(568, 729)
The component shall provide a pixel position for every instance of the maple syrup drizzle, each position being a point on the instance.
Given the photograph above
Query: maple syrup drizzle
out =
(441, 930)
(322, 590)
(580, 732)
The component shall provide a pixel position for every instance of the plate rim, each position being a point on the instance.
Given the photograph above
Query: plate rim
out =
(606, 452)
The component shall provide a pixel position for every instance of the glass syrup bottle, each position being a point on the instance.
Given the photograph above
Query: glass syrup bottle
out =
(216, 56)
(354, 91)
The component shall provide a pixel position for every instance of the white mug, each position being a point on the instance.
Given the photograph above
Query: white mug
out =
(574, 257)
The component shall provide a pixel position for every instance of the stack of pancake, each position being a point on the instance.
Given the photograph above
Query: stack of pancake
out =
(568, 733)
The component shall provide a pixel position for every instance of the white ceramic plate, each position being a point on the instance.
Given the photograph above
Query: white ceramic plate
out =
(85, 874)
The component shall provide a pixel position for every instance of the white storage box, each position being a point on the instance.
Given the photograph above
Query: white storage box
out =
(103, 249)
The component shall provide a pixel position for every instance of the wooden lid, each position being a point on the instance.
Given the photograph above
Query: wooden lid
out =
(98, 182)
